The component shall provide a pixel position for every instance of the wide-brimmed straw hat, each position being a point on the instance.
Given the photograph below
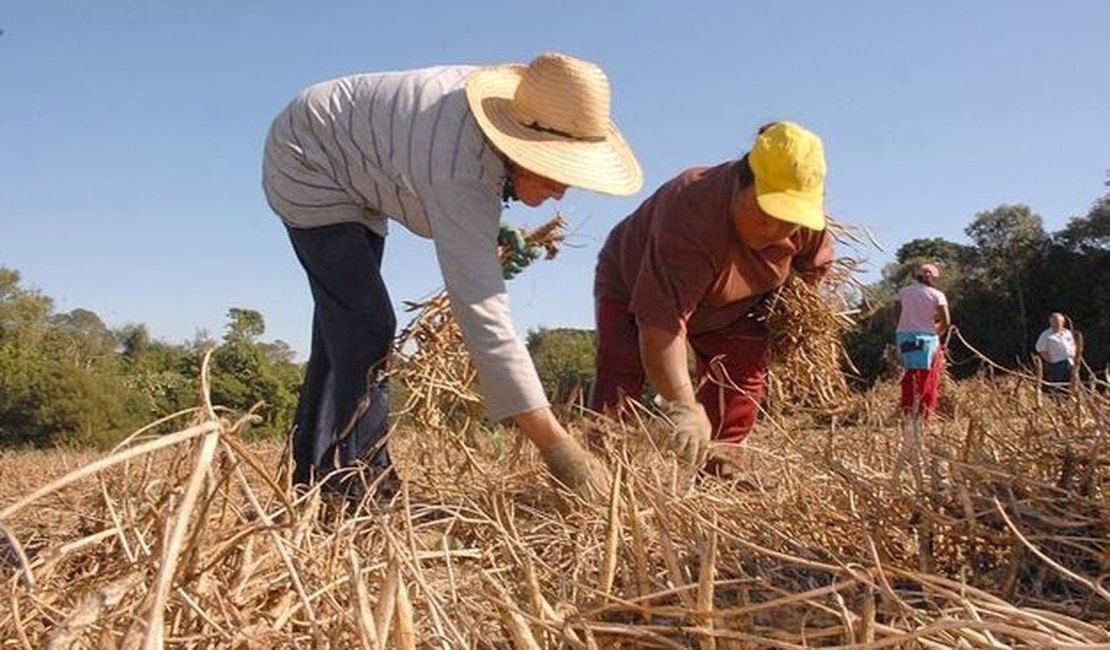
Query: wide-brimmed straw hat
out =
(552, 118)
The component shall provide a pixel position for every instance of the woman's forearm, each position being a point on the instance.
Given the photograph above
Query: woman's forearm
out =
(541, 427)
(663, 354)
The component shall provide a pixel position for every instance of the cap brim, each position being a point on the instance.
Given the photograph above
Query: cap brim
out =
(605, 165)
(805, 210)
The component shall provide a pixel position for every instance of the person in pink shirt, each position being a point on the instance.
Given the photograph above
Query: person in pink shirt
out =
(922, 311)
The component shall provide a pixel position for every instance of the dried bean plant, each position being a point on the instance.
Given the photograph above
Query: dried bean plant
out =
(195, 539)
(807, 324)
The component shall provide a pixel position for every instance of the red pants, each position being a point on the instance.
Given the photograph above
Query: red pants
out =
(731, 364)
(921, 388)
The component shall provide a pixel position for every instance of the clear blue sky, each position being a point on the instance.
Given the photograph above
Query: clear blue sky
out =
(131, 132)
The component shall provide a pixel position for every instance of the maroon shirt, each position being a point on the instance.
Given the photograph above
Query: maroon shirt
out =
(679, 265)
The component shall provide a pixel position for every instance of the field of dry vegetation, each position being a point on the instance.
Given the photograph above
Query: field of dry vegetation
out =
(991, 532)
(847, 526)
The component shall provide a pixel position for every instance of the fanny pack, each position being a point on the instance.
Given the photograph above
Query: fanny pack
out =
(917, 349)
(912, 345)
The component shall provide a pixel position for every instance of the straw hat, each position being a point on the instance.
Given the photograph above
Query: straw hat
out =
(552, 118)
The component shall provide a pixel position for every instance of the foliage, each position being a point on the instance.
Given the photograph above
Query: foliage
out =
(1090, 233)
(246, 371)
(1010, 239)
(161, 376)
(68, 379)
(867, 345)
(564, 359)
(1002, 287)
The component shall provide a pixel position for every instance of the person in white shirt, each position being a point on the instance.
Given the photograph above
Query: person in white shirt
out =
(437, 150)
(922, 315)
(1056, 347)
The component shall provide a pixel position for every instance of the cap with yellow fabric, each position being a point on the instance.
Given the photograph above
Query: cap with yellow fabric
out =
(788, 163)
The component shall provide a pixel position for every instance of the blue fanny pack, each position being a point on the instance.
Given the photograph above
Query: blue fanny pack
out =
(917, 349)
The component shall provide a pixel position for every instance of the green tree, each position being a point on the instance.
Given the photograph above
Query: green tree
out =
(564, 358)
(953, 259)
(66, 378)
(245, 326)
(1009, 239)
(161, 376)
(81, 338)
(1073, 277)
(246, 371)
(59, 380)
(1090, 233)
(23, 312)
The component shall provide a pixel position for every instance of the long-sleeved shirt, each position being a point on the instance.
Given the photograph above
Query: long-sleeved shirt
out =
(405, 146)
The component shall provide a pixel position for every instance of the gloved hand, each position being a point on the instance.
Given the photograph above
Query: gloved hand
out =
(578, 470)
(689, 438)
(520, 252)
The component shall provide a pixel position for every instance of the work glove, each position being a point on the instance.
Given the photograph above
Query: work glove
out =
(519, 252)
(690, 430)
(578, 470)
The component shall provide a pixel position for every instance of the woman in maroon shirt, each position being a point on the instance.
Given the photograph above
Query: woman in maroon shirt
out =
(689, 265)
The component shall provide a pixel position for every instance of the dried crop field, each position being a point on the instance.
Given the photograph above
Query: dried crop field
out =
(992, 532)
(846, 527)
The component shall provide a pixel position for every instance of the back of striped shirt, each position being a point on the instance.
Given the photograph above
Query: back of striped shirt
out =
(361, 147)
(405, 146)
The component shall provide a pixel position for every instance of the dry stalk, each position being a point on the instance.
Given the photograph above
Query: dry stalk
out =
(364, 615)
(612, 536)
(405, 628)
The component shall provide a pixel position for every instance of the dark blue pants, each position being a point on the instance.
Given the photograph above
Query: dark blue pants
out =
(1057, 377)
(1059, 372)
(342, 413)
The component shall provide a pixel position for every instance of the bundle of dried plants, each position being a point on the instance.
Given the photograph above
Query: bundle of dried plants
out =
(807, 322)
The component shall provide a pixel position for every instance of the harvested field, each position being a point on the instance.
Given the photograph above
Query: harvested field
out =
(846, 526)
(994, 533)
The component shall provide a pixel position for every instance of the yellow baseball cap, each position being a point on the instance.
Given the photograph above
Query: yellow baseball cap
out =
(788, 163)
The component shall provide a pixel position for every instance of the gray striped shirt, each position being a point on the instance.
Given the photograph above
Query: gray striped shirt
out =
(405, 146)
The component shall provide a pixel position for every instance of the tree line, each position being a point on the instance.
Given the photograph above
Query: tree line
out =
(68, 379)
(1001, 289)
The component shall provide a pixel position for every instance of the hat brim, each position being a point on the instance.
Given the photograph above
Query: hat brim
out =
(805, 210)
(604, 165)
